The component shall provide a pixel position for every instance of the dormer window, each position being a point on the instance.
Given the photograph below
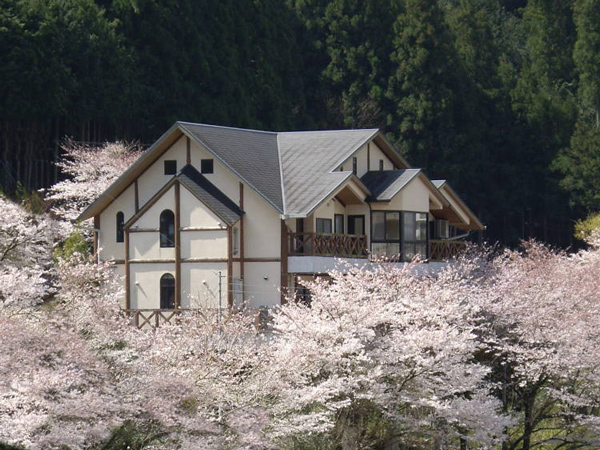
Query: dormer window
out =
(170, 167)
(354, 165)
(207, 166)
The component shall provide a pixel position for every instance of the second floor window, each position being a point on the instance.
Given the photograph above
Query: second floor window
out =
(167, 228)
(339, 223)
(120, 225)
(399, 234)
(323, 225)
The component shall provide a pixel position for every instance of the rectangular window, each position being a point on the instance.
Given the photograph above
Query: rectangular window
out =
(323, 225)
(170, 167)
(236, 240)
(207, 166)
(381, 165)
(414, 235)
(356, 225)
(354, 165)
(339, 223)
(441, 229)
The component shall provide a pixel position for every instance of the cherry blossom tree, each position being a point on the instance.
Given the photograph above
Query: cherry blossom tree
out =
(540, 325)
(89, 170)
(385, 345)
(26, 244)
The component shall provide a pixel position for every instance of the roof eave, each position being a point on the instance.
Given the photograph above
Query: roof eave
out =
(126, 178)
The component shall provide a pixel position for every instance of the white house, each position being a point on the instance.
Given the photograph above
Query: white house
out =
(213, 214)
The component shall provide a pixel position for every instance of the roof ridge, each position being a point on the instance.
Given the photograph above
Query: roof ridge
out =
(283, 200)
(250, 130)
(329, 131)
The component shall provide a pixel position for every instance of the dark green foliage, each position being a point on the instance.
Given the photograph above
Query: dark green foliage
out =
(75, 244)
(580, 164)
(484, 93)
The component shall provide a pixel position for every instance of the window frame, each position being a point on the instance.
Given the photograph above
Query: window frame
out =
(381, 165)
(120, 224)
(402, 243)
(323, 220)
(167, 236)
(167, 292)
(352, 229)
(340, 218)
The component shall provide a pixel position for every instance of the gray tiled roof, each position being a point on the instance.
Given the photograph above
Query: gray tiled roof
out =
(210, 195)
(307, 159)
(292, 170)
(251, 154)
(385, 184)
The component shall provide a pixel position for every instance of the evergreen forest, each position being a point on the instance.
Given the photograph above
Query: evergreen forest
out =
(499, 97)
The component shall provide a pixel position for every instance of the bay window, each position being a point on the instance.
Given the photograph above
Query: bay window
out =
(398, 234)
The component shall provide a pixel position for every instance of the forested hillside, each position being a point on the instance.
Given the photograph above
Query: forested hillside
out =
(500, 97)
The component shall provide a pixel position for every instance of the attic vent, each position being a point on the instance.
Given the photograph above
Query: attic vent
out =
(170, 167)
(206, 166)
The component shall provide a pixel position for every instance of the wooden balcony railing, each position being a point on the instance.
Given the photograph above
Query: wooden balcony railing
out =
(152, 317)
(445, 250)
(326, 244)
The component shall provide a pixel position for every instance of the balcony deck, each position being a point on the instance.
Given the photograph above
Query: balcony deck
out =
(356, 246)
(327, 244)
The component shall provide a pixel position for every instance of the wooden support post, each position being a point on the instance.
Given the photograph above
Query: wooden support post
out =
(137, 195)
(229, 267)
(127, 272)
(188, 151)
(284, 261)
(242, 231)
(96, 238)
(177, 246)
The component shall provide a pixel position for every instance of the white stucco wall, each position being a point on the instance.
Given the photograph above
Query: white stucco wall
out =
(373, 151)
(200, 285)
(327, 211)
(146, 244)
(262, 227)
(145, 284)
(260, 291)
(154, 178)
(194, 213)
(204, 244)
(222, 177)
(414, 197)
(107, 239)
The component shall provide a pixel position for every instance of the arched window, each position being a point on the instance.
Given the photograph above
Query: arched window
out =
(167, 228)
(167, 291)
(120, 230)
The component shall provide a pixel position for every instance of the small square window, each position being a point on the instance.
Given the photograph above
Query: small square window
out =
(206, 166)
(170, 167)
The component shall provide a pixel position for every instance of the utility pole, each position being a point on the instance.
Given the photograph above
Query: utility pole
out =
(219, 317)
